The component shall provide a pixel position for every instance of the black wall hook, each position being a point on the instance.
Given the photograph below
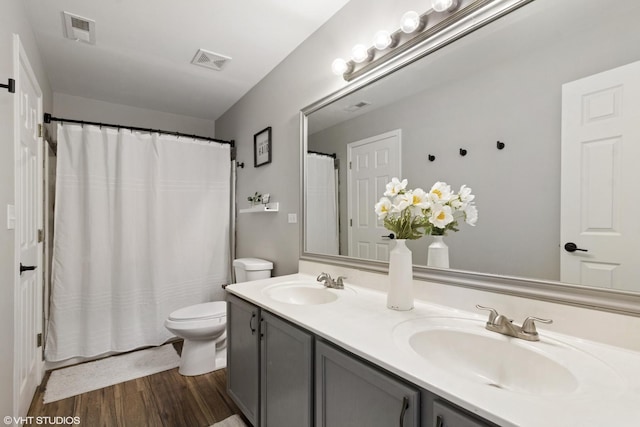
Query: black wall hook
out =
(431, 157)
(240, 165)
(10, 86)
(499, 145)
(463, 152)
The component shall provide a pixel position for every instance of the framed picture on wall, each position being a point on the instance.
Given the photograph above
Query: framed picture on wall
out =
(262, 147)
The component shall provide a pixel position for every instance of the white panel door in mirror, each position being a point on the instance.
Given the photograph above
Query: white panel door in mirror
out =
(600, 148)
(372, 163)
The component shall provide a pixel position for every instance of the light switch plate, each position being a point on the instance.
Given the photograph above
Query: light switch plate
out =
(11, 217)
(292, 218)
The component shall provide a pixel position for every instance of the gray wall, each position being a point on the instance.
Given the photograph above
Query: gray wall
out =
(74, 107)
(517, 101)
(302, 78)
(13, 19)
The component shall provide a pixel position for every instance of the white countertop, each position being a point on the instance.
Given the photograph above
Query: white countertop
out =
(360, 322)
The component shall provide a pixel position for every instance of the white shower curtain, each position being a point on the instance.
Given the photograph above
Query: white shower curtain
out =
(141, 229)
(322, 205)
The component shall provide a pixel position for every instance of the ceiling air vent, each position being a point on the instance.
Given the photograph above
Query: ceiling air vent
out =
(356, 107)
(208, 59)
(78, 28)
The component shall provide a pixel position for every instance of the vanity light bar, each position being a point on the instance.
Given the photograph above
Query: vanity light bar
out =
(413, 29)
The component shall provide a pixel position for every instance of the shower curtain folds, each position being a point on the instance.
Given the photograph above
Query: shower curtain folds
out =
(322, 205)
(141, 229)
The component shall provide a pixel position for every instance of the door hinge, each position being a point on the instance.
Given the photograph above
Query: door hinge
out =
(350, 222)
(39, 339)
(349, 165)
(39, 130)
(40, 235)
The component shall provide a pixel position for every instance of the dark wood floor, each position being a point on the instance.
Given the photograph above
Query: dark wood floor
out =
(166, 399)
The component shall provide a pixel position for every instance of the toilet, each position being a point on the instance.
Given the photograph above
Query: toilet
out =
(203, 326)
(249, 269)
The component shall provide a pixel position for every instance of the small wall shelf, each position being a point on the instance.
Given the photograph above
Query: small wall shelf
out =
(269, 207)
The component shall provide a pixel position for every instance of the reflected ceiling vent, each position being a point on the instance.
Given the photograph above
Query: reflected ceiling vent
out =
(208, 59)
(78, 28)
(356, 107)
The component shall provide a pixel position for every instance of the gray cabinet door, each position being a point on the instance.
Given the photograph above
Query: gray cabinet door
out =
(286, 374)
(351, 393)
(243, 357)
(447, 416)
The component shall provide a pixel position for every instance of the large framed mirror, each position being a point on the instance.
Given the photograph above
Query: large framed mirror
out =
(497, 94)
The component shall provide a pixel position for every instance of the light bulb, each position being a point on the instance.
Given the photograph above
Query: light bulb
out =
(409, 22)
(359, 53)
(443, 5)
(382, 40)
(339, 66)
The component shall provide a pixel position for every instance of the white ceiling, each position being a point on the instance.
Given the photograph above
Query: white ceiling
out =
(144, 48)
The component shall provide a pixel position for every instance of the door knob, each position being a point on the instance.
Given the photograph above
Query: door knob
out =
(27, 267)
(572, 247)
(389, 236)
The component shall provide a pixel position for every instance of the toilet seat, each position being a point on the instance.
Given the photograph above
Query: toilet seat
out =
(204, 311)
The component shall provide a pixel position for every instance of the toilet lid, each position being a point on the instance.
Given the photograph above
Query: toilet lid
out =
(207, 310)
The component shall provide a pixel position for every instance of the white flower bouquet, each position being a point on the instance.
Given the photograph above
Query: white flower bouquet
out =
(411, 214)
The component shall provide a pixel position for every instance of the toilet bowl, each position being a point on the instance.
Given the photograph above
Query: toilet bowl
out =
(203, 329)
(203, 326)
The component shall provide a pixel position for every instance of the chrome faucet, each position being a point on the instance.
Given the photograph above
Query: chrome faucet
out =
(505, 326)
(326, 280)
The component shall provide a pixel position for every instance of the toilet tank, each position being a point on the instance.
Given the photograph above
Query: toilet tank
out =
(248, 269)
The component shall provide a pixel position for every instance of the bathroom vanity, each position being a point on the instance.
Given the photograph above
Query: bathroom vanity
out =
(275, 377)
(302, 354)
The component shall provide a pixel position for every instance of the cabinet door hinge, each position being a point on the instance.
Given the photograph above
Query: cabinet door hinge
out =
(39, 130)
(350, 222)
(261, 327)
(39, 340)
(40, 235)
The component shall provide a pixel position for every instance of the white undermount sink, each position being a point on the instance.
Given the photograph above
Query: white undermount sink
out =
(465, 349)
(303, 293)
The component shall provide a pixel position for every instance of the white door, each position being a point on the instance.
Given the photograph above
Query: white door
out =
(28, 364)
(600, 176)
(372, 164)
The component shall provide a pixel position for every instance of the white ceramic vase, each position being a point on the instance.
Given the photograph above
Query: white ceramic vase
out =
(438, 253)
(400, 294)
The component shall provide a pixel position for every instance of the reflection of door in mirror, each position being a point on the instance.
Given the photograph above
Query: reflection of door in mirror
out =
(600, 148)
(322, 204)
(372, 163)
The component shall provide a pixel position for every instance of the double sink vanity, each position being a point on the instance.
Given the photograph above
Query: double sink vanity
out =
(302, 354)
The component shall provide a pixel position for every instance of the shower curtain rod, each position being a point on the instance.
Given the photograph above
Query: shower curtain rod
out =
(48, 119)
(333, 155)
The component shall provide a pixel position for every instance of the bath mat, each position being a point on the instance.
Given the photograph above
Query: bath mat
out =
(89, 376)
(232, 421)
